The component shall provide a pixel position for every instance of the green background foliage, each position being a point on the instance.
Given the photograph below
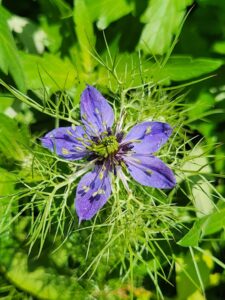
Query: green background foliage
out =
(157, 60)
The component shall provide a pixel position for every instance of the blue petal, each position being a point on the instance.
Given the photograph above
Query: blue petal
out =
(96, 113)
(66, 143)
(148, 137)
(92, 193)
(150, 171)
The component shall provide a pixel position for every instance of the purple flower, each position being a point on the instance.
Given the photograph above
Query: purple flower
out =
(111, 151)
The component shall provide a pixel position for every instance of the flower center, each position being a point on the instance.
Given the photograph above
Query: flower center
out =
(106, 146)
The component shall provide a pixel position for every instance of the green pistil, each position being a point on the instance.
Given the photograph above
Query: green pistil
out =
(106, 146)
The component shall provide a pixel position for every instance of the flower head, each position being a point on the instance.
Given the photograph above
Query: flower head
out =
(111, 151)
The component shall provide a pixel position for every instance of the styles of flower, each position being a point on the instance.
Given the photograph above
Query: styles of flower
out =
(111, 150)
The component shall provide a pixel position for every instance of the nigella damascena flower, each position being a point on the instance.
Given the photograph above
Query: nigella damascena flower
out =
(111, 151)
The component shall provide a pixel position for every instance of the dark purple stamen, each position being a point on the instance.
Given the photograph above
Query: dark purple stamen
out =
(119, 136)
(109, 131)
(95, 139)
(127, 147)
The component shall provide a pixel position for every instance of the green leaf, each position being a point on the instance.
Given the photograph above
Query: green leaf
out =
(43, 283)
(48, 70)
(13, 140)
(163, 19)
(219, 47)
(7, 182)
(5, 101)
(107, 11)
(7, 206)
(207, 225)
(128, 71)
(181, 68)
(63, 7)
(188, 267)
(192, 238)
(126, 68)
(202, 105)
(85, 33)
(201, 190)
(214, 222)
(9, 58)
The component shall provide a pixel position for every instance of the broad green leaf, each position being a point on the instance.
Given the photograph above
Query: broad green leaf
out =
(219, 47)
(48, 71)
(9, 58)
(214, 222)
(7, 206)
(200, 190)
(202, 105)
(126, 69)
(108, 11)
(187, 279)
(207, 225)
(202, 196)
(197, 295)
(5, 101)
(162, 19)
(7, 183)
(193, 236)
(85, 33)
(179, 68)
(40, 282)
(13, 140)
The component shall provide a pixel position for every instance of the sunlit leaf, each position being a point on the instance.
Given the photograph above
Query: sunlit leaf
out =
(187, 276)
(5, 102)
(40, 282)
(201, 190)
(7, 184)
(85, 33)
(48, 71)
(214, 222)
(192, 238)
(207, 225)
(162, 19)
(179, 68)
(107, 11)
(9, 58)
(219, 47)
(13, 140)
